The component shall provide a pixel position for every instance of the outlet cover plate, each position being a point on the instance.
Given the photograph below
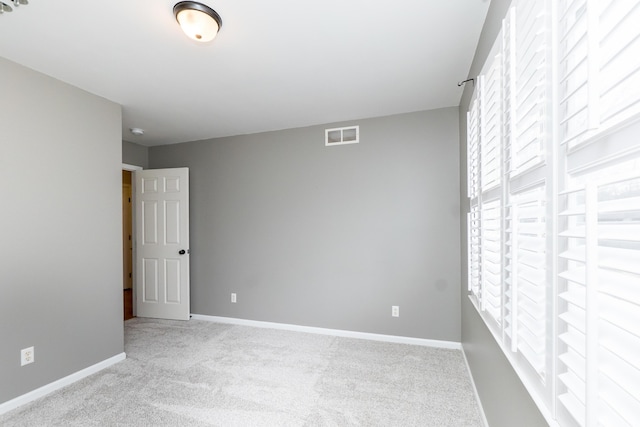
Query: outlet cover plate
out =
(27, 356)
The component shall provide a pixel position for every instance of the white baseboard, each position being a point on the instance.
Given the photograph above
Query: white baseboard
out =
(62, 382)
(332, 332)
(475, 391)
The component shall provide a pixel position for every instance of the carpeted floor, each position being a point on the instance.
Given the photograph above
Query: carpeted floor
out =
(200, 373)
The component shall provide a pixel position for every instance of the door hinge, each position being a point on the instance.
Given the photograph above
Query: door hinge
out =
(129, 275)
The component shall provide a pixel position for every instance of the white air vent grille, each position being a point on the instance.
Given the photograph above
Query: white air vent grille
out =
(340, 136)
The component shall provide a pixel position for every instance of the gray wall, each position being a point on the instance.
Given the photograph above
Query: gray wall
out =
(329, 236)
(505, 400)
(61, 252)
(135, 154)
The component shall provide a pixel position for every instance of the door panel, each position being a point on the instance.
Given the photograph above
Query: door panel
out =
(172, 219)
(172, 273)
(162, 204)
(150, 280)
(150, 222)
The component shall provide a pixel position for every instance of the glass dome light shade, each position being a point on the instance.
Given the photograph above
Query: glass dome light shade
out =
(199, 22)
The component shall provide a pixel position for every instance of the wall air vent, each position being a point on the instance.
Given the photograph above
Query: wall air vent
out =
(341, 136)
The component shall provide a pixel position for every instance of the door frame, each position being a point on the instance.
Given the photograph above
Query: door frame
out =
(133, 168)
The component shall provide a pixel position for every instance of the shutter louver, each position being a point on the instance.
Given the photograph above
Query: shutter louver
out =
(531, 86)
(491, 260)
(528, 247)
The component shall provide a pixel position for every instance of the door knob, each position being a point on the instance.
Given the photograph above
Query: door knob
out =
(182, 252)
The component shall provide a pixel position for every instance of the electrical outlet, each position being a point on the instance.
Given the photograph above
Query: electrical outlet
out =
(27, 355)
(233, 298)
(395, 311)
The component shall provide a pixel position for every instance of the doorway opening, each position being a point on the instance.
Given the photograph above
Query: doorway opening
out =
(127, 245)
(128, 240)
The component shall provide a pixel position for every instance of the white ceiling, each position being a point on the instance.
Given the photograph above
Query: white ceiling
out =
(275, 64)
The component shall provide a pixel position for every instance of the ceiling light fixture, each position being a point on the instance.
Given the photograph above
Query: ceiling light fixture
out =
(136, 131)
(199, 22)
(4, 7)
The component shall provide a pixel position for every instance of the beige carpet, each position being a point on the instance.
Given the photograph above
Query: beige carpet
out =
(199, 373)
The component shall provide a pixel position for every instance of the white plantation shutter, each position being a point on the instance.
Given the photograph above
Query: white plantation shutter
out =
(473, 191)
(473, 149)
(491, 119)
(599, 317)
(554, 222)
(508, 133)
(491, 233)
(508, 69)
(526, 41)
(513, 123)
(529, 287)
(530, 47)
(490, 100)
(618, 300)
(572, 303)
(619, 59)
(575, 85)
(599, 66)
(510, 269)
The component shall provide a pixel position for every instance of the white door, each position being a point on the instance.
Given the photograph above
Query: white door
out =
(162, 243)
